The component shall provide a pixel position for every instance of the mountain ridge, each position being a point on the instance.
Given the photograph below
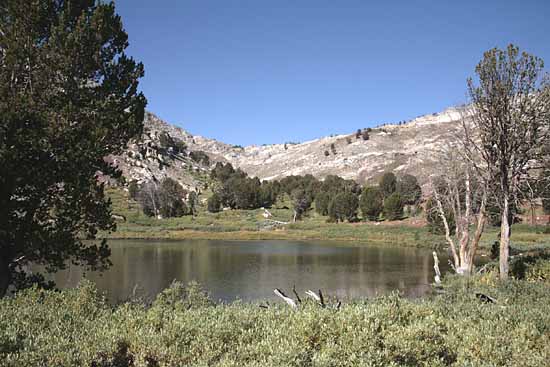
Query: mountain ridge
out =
(405, 147)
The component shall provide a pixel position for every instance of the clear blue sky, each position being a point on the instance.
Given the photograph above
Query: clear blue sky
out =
(269, 71)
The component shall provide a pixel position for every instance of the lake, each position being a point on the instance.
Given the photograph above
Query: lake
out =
(250, 270)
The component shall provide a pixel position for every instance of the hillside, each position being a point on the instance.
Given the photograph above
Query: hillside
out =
(403, 148)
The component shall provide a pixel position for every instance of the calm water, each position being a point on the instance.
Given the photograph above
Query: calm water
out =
(250, 270)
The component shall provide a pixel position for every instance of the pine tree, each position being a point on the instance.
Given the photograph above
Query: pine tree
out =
(393, 207)
(343, 207)
(371, 203)
(388, 184)
(68, 98)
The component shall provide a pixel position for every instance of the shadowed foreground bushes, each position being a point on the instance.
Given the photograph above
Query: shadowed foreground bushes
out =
(182, 327)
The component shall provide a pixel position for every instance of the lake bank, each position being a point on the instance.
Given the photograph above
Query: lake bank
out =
(250, 225)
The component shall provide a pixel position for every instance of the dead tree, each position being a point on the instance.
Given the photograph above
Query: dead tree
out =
(318, 297)
(457, 191)
(509, 128)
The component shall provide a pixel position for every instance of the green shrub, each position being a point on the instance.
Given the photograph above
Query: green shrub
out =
(77, 327)
(179, 296)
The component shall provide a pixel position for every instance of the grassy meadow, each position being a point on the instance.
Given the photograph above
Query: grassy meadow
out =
(251, 225)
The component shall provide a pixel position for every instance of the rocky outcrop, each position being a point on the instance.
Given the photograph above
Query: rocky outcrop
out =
(152, 157)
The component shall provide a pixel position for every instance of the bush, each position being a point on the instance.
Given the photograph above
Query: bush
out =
(393, 207)
(181, 297)
(76, 327)
(200, 157)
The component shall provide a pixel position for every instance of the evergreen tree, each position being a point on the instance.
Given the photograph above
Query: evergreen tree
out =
(222, 172)
(393, 207)
(214, 203)
(68, 98)
(371, 203)
(388, 184)
(133, 190)
(409, 189)
(322, 201)
(193, 202)
(301, 202)
(343, 207)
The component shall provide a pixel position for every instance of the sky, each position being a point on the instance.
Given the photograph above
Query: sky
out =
(262, 71)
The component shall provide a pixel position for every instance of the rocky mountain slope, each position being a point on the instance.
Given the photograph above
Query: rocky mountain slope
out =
(402, 148)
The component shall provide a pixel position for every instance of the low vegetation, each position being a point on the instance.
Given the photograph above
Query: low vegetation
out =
(459, 325)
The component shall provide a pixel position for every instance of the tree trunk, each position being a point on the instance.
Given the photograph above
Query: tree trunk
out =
(504, 240)
(5, 276)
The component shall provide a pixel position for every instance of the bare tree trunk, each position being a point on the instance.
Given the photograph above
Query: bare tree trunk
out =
(504, 240)
(5, 276)
(436, 268)
(482, 219)
(533, 219)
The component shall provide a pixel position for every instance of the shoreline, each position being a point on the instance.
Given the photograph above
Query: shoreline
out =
(390, 239)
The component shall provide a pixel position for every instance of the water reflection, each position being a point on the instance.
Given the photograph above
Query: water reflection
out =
(250, 270)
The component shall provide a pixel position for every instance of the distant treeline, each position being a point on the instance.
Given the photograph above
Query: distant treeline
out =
(335, 197)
